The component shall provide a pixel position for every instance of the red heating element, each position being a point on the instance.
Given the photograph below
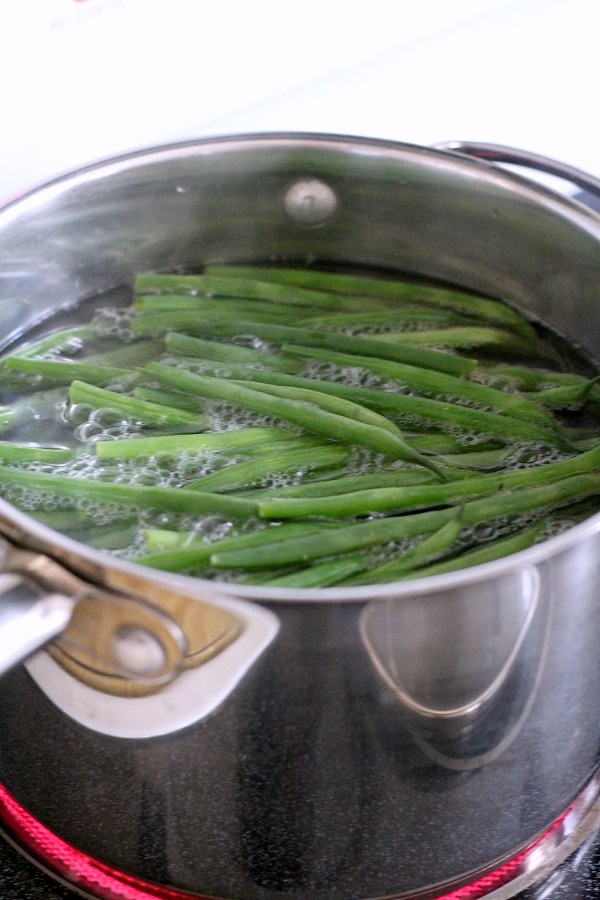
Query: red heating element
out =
(70, 865)
(105, 883)
(505, 873)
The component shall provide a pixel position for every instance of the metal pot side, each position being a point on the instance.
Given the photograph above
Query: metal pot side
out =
(385, 739)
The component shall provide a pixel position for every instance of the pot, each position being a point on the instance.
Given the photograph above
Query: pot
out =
(367, 742)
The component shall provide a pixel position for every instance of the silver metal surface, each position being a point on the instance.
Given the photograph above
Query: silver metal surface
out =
(446, 683)
(402, 714)
(29, 619)
(513, 156)
(38, 599)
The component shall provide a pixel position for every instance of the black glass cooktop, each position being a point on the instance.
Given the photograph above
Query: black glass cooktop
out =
(576, 879)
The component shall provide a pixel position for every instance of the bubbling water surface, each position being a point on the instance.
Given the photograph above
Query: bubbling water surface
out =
(54, 421)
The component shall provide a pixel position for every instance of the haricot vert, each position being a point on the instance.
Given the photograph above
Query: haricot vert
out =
(301, 428)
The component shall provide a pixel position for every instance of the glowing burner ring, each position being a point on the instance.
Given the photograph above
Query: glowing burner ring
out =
(506, 878)
(69, 865)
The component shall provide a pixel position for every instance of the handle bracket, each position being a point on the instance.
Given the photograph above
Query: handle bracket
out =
(116, 636)
(497, 153)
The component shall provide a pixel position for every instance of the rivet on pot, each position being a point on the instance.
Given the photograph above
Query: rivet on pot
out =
(137, 651)
(310, 202)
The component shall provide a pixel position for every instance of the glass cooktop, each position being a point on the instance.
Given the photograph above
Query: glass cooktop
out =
(576, 879)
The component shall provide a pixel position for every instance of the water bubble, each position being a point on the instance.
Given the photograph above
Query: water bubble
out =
(87, 431)
(115, 323)
(107, 417)
(77, 413)
(484, 531)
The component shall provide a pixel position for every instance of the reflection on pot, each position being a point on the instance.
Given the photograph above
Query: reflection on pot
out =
(464, 665)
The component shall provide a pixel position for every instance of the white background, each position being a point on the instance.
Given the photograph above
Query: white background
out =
(85, 79)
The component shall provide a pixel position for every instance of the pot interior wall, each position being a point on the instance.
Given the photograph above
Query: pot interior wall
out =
(397, 207)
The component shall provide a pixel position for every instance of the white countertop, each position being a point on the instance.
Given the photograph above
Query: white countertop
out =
(85, 79)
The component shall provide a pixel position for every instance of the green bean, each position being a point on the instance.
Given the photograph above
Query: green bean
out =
(439, 415)
(192, 321)
(436, 442)
(421, 554)
(588, 442)
(431, 382)
(238, 339)
(269, 464)
(327, 402)
(153, 303)
(489, 552)
(110, 537)
(480, 460)
(178, 559)
(308, 416)
(140, 496)
(166, 539)
(407, 316)
(175, 445)
(135, 409)
(378, 288)
(434, 413)
(323, 543)
(526, 378)
(346, 484)
(467, 337)
(569, 397)
(423, 495)
(63, 372)
(248, 288)
(66, 520)
(229, 353)
(487, 426)
(421, 357)
(13, 453)
(195, 555)
(361, 535)
(379, 500)
(324, 574)
(129, 356)
(168, 398)
(57, 341)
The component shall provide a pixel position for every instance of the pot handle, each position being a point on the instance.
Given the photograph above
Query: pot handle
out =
(497, 153)
(29, 618)
(39, 599)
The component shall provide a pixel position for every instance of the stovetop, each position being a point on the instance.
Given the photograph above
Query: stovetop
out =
(576, 879)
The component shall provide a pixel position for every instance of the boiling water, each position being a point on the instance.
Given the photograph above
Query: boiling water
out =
(50, 420)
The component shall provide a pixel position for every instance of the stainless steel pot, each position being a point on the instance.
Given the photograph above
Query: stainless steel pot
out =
(359, 743)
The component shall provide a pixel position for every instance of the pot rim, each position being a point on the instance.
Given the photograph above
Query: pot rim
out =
(485, 168)
(34, 534)
(80, 557)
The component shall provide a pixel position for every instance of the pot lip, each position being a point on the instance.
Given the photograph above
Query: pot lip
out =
(81, 558)
(111, 164)
(41, 537)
